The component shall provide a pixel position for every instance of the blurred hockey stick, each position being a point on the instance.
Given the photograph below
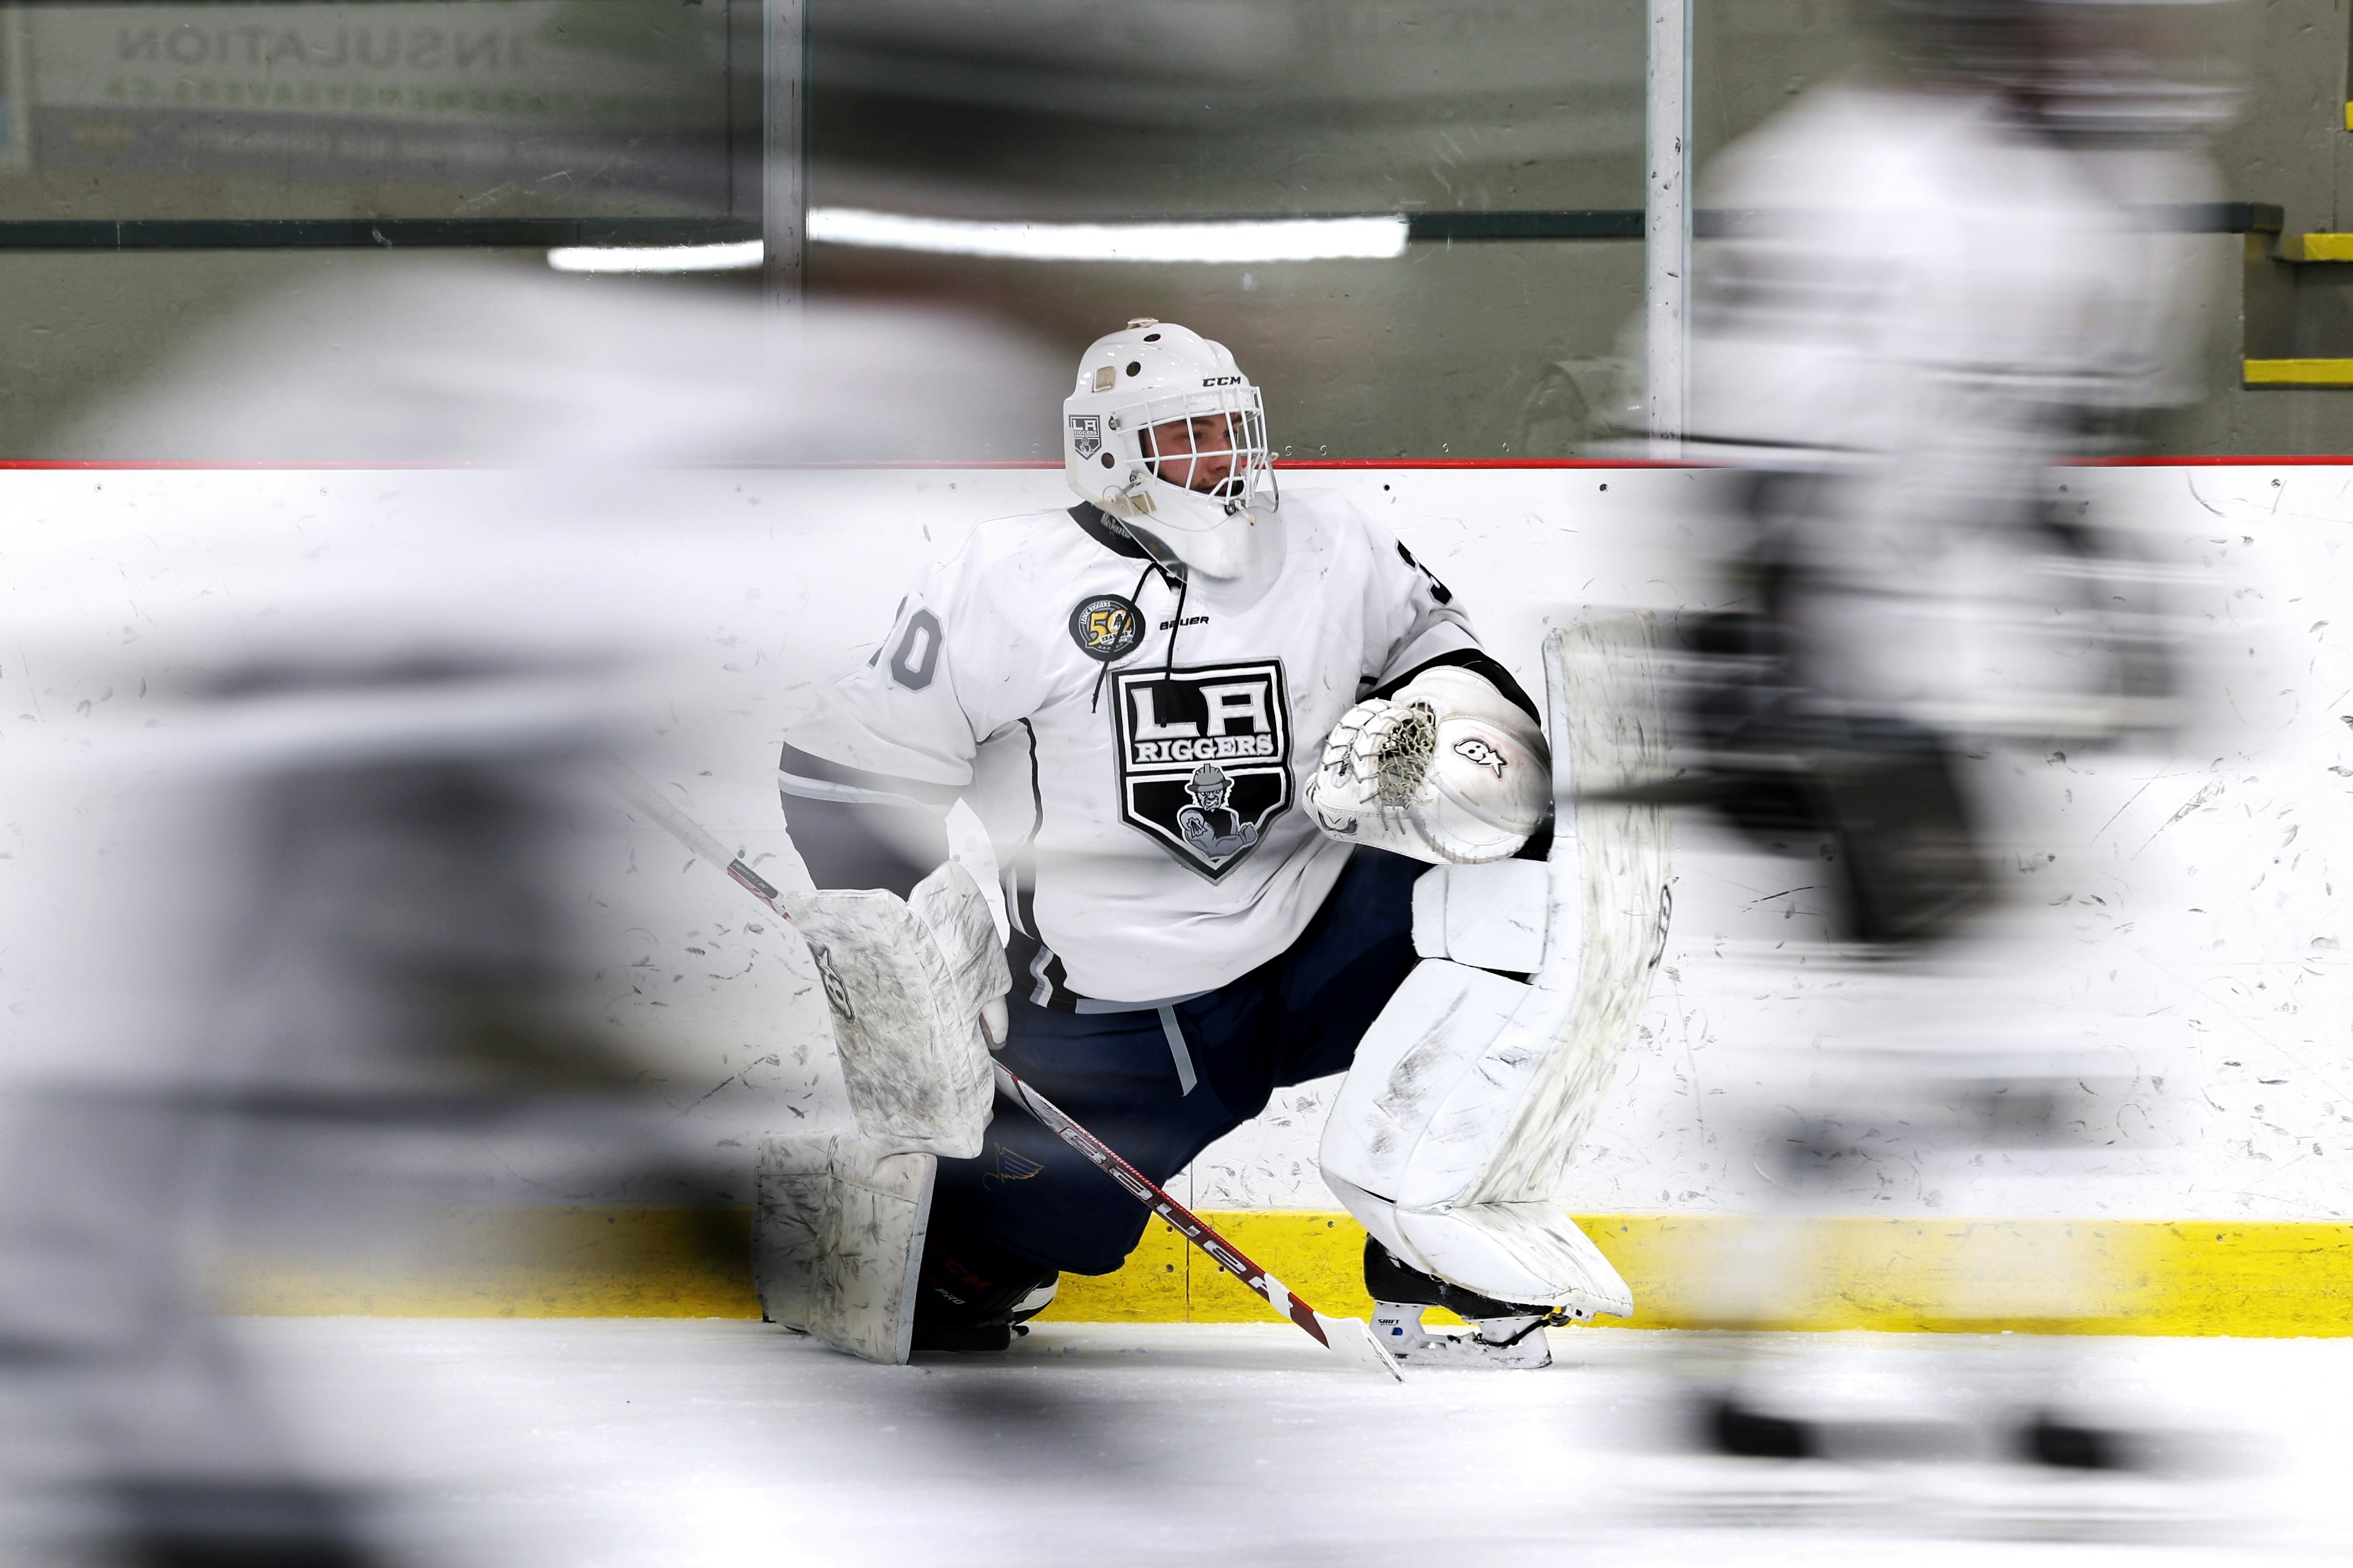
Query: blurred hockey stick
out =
(635, 789)
(1350, 1339)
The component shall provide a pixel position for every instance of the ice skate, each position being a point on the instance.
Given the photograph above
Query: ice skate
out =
(1506, 1344)
(1501, 1336)
(973, 1296)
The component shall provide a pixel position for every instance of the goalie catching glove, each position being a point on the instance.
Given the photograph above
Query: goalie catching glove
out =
(1448, 769)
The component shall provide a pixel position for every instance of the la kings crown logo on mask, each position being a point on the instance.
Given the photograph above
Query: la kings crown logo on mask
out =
(1204, 759)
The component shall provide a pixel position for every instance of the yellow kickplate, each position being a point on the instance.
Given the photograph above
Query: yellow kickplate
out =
(2299, 372)
(1692, 1271)
(520, 1262)
(2320, 247)
(2135, 1277)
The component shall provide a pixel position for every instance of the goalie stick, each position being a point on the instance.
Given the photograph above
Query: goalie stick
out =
(1350, 1339)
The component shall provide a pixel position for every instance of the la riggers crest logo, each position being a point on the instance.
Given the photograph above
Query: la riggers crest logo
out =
(1204, 759)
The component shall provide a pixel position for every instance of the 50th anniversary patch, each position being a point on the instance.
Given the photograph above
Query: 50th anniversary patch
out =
(1106, 626)
(1204, 758)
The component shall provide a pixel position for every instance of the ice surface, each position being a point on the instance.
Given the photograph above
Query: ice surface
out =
(603, 1444)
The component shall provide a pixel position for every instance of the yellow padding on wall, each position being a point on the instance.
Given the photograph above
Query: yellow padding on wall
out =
(522, 1262)
(2299, 372)
(2320, 247)
(2137, 1276)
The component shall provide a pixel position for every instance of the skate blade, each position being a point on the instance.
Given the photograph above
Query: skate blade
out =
(1352, 1341)
(1455, 1354)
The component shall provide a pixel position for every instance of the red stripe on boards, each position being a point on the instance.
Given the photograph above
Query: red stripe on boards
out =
(136, 464)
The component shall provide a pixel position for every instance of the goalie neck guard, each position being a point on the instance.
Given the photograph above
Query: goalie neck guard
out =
(1165, 435)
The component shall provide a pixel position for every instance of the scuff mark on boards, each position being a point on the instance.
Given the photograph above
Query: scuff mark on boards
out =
(2205, 794)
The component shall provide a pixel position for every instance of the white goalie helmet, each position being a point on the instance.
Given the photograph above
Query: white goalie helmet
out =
(1167, 435)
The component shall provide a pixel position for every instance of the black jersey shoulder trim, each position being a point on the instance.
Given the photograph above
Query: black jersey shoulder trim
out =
(1097, 525)
(1477, 663)
(821, 778)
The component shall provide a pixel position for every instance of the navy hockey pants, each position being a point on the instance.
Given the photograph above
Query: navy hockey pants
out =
(1295, 1017)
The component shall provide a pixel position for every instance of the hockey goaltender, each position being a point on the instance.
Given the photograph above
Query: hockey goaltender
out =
(1213, 729)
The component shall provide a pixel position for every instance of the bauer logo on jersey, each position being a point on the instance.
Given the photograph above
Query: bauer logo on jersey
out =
(1106, 626)
(1086, 433)
(1205, 759)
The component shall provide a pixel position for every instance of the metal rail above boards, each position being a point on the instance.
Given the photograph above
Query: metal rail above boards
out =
(535, 233)
(363, 234)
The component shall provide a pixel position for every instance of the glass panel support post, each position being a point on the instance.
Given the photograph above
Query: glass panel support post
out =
(1667, 227)
(784, 151)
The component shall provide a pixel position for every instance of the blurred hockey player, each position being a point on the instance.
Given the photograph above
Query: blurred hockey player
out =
(1913, 295)
(1215, 730)
(303, 902)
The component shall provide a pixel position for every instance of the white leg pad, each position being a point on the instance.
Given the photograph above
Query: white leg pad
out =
(905, 1008)
(1425, 1113)
(1451, 1137)
(838, 1229)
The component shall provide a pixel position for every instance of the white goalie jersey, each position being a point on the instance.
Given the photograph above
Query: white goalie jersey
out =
(1138, 750)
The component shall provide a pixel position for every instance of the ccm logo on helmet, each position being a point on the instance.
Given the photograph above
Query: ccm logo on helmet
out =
(1221, 381)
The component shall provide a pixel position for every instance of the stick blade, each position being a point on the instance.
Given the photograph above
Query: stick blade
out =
(1352, 1341)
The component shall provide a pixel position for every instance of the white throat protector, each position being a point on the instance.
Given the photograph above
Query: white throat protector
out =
(1165, 435)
